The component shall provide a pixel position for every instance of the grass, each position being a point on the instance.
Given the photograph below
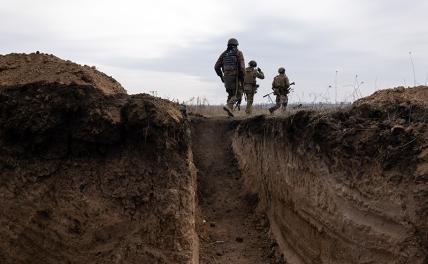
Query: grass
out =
(262, 109)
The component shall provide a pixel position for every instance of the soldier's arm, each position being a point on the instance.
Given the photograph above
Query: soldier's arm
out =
(287, 82)
(218, 66)
(260, 74)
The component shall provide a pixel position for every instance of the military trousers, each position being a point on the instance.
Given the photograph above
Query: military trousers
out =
(281, 100)
(234, 92)
(249, 91)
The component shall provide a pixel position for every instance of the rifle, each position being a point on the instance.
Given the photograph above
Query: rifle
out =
(293, 83)
(237, 82)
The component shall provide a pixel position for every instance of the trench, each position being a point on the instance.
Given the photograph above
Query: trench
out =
(229, 229)
(87, 177)
(269, 191)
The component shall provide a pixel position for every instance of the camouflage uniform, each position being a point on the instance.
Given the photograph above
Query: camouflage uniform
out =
(281, 88)
(231, 67)
(250, 85)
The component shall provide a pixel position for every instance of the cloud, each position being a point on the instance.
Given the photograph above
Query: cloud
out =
(126, 28)
(171, 46)
(174, 86)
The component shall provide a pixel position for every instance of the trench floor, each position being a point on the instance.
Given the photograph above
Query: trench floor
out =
(229, 229)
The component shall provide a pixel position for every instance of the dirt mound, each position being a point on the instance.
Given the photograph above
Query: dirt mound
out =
(89, 175)
(23, 69)
(343, 187)
(397, 95)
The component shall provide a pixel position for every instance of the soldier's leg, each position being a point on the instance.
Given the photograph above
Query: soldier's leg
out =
(284, 102)
(250, 98)
(229, 95)
(277, 105)
(231, 101)
(239, 98)
(230, 84)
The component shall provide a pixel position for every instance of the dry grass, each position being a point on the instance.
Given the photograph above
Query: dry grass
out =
(262, 109)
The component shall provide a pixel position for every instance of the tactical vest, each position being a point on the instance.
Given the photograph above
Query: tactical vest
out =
(230, 60)
(279, 82)
(249, 76)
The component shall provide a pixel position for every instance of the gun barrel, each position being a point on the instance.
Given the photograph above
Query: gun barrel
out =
(267, 94)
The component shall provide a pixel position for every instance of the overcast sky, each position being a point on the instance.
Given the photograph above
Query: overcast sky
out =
(171, 46)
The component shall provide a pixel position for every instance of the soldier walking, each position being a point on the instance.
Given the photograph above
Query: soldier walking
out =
(250, 84)
(230, 67)
(281, 88)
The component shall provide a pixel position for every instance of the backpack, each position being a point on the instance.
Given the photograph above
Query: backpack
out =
(249, 76)
(230, 60)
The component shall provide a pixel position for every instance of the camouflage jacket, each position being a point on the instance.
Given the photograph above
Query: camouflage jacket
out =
(240, 72)
(251, 74)
(281, 84)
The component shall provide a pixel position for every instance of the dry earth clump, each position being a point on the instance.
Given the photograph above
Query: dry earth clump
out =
(400, 94)
(21, 69)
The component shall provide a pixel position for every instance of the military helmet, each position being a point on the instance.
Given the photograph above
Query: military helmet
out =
(281, 70)
(233, 42)
(252, 63)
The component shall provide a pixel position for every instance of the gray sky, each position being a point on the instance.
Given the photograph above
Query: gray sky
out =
(171, 46)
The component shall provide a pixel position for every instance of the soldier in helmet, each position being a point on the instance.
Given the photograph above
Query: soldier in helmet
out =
(250, 84)
(230, 67)
(281, 88)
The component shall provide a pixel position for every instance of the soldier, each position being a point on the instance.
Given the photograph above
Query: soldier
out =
(230, 67)
(250, 84)
(281, 88)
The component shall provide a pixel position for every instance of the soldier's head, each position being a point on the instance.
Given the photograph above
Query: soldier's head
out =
(233, 42)
(281, 70)
(252, 64)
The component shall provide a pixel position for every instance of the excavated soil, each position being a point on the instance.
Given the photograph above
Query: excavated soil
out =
(399, 95)
(343, 187)
(229, 229)
(89, 174)
(93, 177)
(21, 69)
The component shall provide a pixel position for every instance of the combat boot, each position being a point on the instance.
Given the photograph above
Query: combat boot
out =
(228, 111)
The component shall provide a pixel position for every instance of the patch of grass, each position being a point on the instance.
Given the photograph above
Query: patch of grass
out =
(263, 109)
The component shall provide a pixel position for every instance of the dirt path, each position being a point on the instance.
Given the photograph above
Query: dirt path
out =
(228, 228)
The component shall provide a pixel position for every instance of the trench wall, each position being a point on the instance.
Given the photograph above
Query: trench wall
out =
(333, 193)
(91, 178)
